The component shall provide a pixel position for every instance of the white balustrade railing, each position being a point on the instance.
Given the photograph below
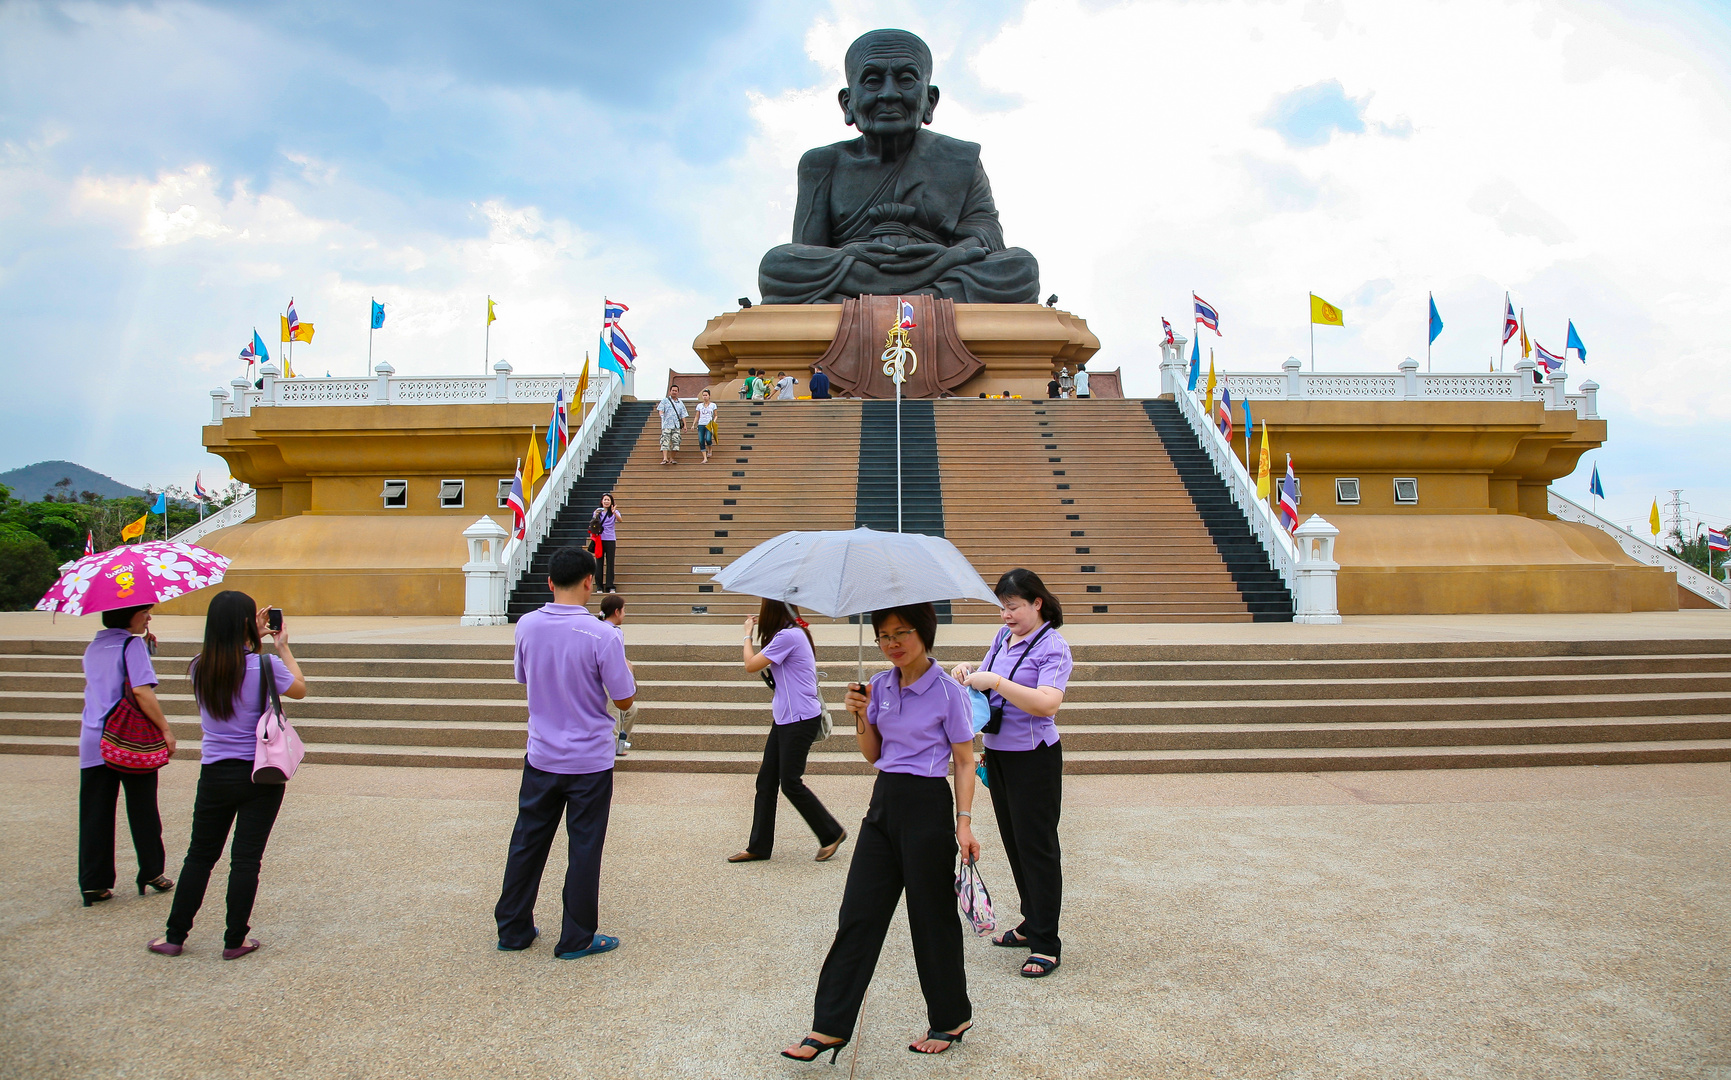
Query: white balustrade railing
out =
(242, 509)
(386, 387)
(1282, 555)
(1696, 581)
(608, 393)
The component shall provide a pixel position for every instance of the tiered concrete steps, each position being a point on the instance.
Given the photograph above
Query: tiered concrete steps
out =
(1086, 494)
(1129, 709)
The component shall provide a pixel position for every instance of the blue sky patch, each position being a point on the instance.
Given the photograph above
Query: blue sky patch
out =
(1310, 115)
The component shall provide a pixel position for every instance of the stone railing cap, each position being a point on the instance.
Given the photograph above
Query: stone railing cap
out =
(269, 368)
(1409, 364)
(1315, 525)
(383, 367)
(502, 366)
(221, 393)
(486, 529)
(1589, 385)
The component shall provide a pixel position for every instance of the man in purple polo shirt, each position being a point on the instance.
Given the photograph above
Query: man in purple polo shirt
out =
(573, 664)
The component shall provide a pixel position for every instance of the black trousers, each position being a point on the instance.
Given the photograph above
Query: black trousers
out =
(604, 570)
(585, 800)
(98, 792)
(906, 842)
(1027, 789)
(783, 769)
(226, 796)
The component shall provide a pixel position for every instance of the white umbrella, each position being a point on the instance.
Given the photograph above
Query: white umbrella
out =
(861, 570)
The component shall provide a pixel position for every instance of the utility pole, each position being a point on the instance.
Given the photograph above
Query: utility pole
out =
(1674, 511)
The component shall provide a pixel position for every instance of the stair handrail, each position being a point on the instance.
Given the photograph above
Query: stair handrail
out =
(566, 472)
(1276, 543)
(242, 509)
(1688, 577)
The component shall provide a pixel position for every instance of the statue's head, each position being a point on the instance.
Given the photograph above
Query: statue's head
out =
(889, 83)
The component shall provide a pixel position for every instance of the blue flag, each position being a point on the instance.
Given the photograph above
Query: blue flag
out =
(259, 349)
(1594, 487)
(1435, 320)
(378, 314)
(1248, 424)
(608, 361)
(1195, 361)
(161, 506)
(1575, 343)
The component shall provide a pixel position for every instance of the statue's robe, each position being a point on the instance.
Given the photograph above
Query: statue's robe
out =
(937, 194)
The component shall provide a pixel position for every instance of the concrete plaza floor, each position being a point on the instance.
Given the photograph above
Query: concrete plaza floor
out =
(1465, 923)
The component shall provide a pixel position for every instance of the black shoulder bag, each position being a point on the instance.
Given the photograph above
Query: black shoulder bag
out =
(997, 721)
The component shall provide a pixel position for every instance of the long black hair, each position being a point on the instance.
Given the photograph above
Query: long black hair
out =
(1027, 585)
(230, 632)
(774, 616)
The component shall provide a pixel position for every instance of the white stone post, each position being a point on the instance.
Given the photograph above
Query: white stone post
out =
(1294, 379)
(1173, 379)
(484, 574)
(218, 400)
(268, 371)
(1315, 599)
(382, 392)
(1524, 377)
(1409, 372)
(1591, 389)
(1558, 399)
(502, 380)
(241, 386)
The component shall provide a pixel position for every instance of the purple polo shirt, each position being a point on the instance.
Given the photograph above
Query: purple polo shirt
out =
(102, 686)
(795, 669)
(237, 737)
(918, 724)
(573, 663)
(609, 523)
(1048, 664)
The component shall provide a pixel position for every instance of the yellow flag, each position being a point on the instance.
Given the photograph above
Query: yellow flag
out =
(1526, 348)
(136, 529)
(490, 315)
(534, 472)
(1210, 409)
(1324, 313)
(285, 333)
(302, 331)
(288, 368)
(1652, 520)
(1264, 486)
(582, 388)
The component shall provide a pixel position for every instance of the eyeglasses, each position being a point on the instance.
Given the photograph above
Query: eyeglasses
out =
(896, 638)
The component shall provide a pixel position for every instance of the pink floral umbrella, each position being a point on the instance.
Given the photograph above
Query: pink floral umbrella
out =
(133, 574)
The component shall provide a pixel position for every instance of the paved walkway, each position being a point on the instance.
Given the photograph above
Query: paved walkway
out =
(1471, 923)
(1603, 627)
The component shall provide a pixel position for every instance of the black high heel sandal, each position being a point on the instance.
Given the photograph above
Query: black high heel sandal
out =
(945, 1037)
(161, 884)
(97, 896)
(833, 1048)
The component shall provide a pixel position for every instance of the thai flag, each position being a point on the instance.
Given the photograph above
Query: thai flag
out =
(614, 341)
(249, 355)
(907, 322)
(1224, 423)
(1511, 325)
(1289, 498)
(198, 491)
(1717, 541)
(1171, 338)
(1206, 315)
(612, 311)
(519, 510)
(293, 319)
(1549, 361)
(90, 544)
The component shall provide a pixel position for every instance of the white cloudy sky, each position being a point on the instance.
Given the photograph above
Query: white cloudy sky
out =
(170, 173)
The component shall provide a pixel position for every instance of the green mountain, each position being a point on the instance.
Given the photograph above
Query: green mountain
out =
(33, 482)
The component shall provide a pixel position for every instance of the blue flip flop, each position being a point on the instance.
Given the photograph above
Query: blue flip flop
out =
(601, 944)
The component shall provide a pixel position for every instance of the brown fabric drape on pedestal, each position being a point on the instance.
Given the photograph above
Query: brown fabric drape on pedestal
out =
(854, 362)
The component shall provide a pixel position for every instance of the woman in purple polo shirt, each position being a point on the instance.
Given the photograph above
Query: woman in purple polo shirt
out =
(98, 785)
(798, 713)
(228, 686)
(1024, 676)
(912, 722)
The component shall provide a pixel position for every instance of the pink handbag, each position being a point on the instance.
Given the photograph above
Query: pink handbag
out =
(278, 752)
(975, 901)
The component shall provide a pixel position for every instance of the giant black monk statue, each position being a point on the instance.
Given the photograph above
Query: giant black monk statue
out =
(899, 210)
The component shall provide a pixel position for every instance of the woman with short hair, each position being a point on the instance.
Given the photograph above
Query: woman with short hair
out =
(1024, 676)
(797, 711)
(227, 682)
(113, 660)
(913, 723)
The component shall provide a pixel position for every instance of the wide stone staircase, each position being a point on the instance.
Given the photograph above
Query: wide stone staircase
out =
(1157, 708)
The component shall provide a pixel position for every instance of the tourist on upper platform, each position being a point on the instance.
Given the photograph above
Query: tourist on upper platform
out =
(227, 679)
(1052, 387)
(797, 712)
(613, 614)
(784, 385)
(573, 665)
(759, 386)
(673, 416)
(1023, 677)
(1066, 383)
(110, 652)
(604, 523)
(913, 722)
(1081, 382)
(706, 426)
(819, 384)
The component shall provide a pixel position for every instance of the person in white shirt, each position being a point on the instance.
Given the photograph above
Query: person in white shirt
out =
(784, 384)
(1066, 383)
(1081, 382)
(706, 423)
(673, 416)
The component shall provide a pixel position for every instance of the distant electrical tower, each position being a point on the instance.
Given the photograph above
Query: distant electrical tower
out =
(1674, 513)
